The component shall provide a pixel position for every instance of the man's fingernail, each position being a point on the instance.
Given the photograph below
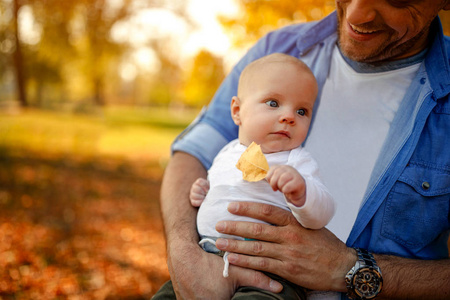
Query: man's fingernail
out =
(275, 286)
(221, 243)
(233, 207)
(232, 258)
(220, 226)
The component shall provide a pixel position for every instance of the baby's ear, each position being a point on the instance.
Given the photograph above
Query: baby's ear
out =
(235, 109)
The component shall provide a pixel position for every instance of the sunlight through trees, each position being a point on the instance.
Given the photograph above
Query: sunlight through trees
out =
(82, 53)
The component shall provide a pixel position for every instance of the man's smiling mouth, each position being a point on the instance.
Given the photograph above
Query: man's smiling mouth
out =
(362, 30)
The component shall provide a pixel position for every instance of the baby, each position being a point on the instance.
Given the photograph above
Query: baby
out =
(273, 108)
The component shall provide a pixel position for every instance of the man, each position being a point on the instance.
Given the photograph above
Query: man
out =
(380, 131)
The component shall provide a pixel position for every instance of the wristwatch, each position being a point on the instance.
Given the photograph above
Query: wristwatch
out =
(364, 280)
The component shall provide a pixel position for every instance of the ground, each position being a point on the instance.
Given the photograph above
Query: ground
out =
(79, 228)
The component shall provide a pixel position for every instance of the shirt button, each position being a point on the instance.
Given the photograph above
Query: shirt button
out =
(425, 185)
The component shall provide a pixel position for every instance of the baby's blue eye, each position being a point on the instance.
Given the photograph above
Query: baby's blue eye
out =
(301, 112)
(272, 103)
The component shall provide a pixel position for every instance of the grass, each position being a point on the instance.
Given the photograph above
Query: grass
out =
(128, 133)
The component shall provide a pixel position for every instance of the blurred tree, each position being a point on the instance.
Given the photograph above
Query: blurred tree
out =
(445, 19)
(7, 48)
(76, 38)
(202, 79)
(101, 50)
(258, 17)
(164, 86)
(44, 81)
(17, 56)
(50, 51)
(72, 50)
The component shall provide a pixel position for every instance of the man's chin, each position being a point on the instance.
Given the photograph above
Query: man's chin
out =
(359, 54)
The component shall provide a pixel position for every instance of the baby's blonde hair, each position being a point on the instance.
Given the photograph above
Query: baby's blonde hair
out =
(271, 58)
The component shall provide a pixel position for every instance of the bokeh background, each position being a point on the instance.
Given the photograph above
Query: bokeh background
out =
(92, 92)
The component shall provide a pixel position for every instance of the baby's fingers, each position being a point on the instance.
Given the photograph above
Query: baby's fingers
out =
(203, 183)
(198, 191)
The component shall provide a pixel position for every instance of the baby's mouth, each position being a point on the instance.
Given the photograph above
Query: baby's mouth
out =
(283, 133)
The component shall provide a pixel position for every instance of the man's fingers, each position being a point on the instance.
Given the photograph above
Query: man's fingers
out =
(256, 255)
(250, 230)
(248, 277)
(264, 212)
(253, 248)
(253, 262)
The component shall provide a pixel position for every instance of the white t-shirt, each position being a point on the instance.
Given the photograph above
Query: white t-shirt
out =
(227, 185)
(352, 122)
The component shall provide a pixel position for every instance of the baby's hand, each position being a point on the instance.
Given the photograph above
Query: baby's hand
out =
(199, 190)
(288, 180)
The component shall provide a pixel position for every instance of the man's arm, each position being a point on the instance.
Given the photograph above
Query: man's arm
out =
(414, 279)
(318, 260)
(180, 224)
(196, 274)
(179, 216)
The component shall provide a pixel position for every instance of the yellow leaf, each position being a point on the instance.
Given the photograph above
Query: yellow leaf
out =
(253, 163)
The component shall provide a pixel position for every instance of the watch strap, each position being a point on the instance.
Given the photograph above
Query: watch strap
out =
(366, 257)
(365, 260)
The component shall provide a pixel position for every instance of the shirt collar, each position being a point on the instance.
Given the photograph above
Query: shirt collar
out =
(361, 67)
(437, 61)
(317, 33)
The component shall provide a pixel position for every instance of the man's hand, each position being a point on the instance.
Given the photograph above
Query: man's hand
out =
(315, 259)
(197, 274)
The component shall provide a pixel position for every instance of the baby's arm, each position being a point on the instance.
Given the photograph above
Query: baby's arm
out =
(307, 197)
(198, 192)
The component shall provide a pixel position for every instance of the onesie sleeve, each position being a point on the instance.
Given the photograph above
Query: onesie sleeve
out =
(319, 206)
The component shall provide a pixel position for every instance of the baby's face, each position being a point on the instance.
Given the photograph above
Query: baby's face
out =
(275, 107)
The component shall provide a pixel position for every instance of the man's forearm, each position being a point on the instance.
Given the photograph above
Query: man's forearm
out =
(414, 279)
(178, 214)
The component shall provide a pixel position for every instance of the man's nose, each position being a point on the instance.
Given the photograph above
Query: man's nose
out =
(360, 11)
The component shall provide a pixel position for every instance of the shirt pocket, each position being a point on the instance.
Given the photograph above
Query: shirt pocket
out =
(417, 208)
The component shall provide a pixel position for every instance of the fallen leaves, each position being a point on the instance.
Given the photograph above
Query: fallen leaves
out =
(79, 229)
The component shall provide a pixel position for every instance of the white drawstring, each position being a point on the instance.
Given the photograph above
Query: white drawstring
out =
(227, 264)
(225, 256)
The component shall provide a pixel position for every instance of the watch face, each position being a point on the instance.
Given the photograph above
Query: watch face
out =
(367, 283)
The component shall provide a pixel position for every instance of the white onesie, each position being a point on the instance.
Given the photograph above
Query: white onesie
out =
(227, 185)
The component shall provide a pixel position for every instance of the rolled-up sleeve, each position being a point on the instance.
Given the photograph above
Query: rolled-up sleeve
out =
(202, 141)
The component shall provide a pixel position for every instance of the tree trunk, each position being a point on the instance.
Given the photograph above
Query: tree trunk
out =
(98, 92)
(18, 58)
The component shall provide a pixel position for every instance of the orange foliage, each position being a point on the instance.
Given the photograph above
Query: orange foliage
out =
(86, 229)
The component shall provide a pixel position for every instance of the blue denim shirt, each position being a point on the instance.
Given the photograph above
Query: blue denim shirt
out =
(405, 210)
